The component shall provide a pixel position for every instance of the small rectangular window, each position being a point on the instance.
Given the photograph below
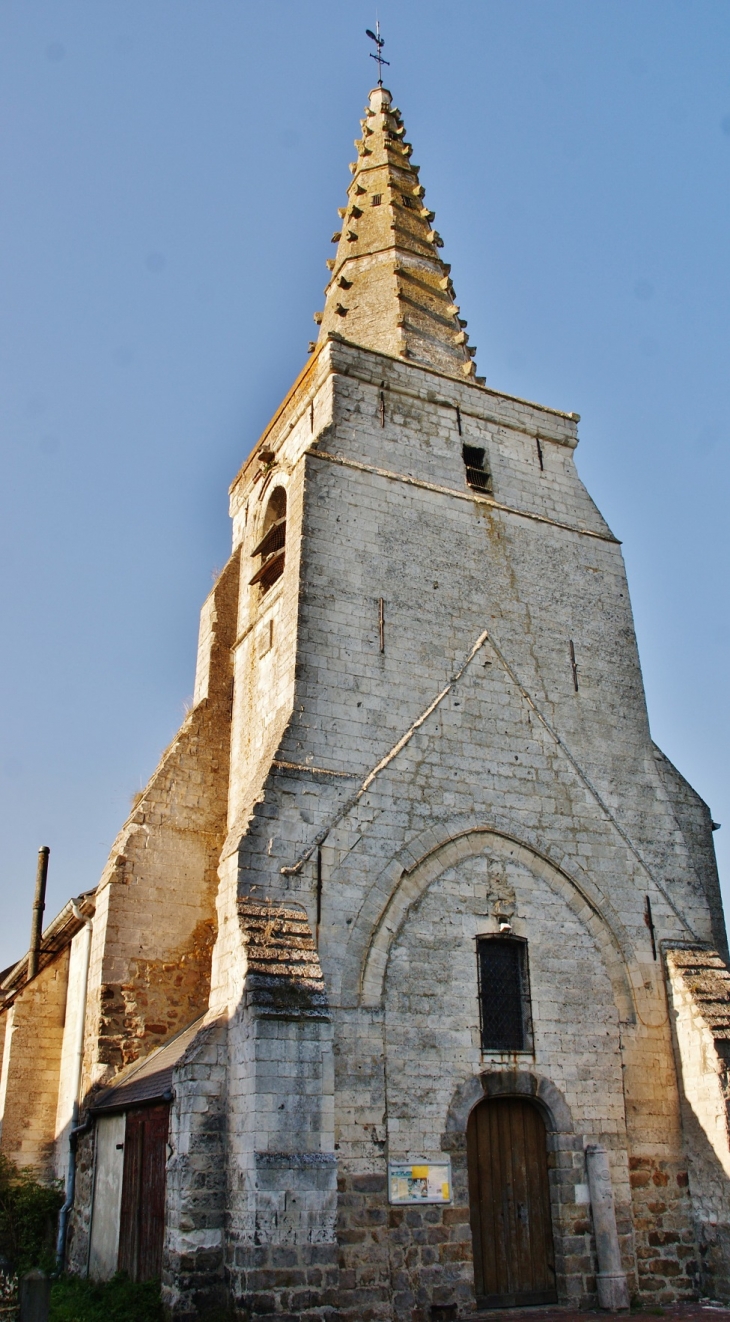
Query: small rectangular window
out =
(265, 637)
(477, 473)
(376, 199)
(504, 994)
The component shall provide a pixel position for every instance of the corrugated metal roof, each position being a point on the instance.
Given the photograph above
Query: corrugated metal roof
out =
(151, 1078)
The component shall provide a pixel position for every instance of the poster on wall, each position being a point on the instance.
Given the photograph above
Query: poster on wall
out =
(419, 1182)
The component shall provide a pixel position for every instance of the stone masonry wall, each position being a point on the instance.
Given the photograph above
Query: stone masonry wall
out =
(282, 1173)
(431, 1000)
(33, 1046)
(695, 822)
(79, 1226)
(264, 656)
(431, 996)
(667, 1259)
(193, 1278)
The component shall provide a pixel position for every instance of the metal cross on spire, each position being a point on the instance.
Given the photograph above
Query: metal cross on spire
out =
(378, 53)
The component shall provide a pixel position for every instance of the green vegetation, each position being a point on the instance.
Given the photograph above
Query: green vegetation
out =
(117, 1300)
(28, 1216)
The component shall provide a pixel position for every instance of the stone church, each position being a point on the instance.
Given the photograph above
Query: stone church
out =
(404, 990)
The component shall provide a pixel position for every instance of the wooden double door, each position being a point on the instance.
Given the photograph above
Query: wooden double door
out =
(142, 1217)
(509, 1197)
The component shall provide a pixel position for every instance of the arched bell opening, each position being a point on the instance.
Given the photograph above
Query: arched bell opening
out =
(271, 547)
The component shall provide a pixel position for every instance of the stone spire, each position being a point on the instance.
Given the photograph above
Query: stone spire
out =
(389, 288)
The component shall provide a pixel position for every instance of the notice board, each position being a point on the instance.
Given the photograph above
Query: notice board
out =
(419, 1182)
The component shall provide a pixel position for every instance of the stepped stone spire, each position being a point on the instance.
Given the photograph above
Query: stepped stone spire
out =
(390, 290)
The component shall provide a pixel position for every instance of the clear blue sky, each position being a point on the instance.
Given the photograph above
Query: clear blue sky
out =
(171, 173)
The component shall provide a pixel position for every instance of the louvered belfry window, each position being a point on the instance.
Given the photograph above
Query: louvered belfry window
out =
(271, 547)
(504, 994)
(477, 472)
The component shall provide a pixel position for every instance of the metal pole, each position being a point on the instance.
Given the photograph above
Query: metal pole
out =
(39, 904)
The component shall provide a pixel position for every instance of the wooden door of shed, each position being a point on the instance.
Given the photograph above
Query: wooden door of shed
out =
(142, 1219)
(509, 1197)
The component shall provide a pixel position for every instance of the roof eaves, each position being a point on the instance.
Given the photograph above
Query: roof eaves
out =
(150, 1079)
(60, 933)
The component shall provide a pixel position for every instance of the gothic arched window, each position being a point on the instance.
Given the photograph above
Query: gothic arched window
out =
(271, 547)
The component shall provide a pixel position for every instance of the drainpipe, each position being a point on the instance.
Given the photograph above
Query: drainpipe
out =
(76, 1128)
(39, 904)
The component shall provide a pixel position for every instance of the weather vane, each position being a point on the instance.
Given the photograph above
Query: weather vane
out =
(378, 55)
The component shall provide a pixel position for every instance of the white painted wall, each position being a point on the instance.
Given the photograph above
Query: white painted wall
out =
(75, 1005)
(110, 1130)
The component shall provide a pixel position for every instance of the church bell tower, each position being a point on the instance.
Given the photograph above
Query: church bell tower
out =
(456, 866)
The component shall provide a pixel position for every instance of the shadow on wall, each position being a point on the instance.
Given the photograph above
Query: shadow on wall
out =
(698, 985)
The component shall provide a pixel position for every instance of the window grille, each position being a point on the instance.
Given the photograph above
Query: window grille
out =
(376, 199)
(504, 994)
(477, 474)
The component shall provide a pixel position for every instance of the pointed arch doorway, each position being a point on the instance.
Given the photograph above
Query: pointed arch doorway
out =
(509, 1200)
